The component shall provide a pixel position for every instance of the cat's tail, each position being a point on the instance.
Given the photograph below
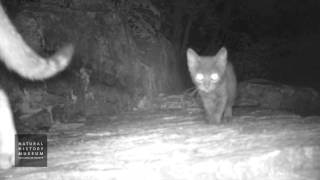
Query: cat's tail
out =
(19, 57)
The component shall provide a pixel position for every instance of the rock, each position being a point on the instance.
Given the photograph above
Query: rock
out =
(178, 144)
(269, 94)
(37, 121)
(105, 55)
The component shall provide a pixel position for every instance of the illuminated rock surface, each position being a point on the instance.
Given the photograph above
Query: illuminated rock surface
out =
(258, 144)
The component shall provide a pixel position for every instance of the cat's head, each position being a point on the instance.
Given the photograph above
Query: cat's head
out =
(207, 71)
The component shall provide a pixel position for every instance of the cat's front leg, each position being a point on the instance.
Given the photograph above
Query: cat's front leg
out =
(209, 109)
(227, 115)
(7, 133)
(213, 110)
(220, 108)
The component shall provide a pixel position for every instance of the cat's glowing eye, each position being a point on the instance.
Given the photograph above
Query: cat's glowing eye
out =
(214, 77)
(199, 77)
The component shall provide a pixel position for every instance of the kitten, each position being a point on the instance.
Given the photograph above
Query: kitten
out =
(19, 57)
(216, 83)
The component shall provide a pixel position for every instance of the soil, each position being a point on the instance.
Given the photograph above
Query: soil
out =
(179, 144)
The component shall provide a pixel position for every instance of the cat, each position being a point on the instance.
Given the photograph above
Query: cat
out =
(20, 58)
(216, 83)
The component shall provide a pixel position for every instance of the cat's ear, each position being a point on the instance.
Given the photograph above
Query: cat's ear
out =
(221, 58)
(192, 57)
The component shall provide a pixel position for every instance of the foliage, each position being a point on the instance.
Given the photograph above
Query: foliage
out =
(140, 16)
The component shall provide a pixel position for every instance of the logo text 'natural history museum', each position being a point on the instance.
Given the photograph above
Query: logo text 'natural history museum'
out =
(31, 150)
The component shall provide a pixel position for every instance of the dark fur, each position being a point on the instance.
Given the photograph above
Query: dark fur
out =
(217, 95)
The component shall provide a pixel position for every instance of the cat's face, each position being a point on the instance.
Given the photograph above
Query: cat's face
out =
(207, 71)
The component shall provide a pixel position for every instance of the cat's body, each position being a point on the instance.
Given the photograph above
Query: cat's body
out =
(19, 57)
(216, 82)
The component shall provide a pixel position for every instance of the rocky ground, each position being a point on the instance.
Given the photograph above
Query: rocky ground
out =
(178, 144)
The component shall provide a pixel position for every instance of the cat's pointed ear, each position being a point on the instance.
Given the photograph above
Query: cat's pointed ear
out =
(222, 56)
(192, 57)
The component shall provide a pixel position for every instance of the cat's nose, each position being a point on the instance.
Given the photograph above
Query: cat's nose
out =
(207, 87)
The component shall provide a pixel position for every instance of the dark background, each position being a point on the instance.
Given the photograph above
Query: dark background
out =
(270, 39)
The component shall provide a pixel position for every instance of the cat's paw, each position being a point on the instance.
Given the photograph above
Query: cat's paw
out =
(7, 151)
(6, 161)
(213, 120)
(7, 145)
(227, 119)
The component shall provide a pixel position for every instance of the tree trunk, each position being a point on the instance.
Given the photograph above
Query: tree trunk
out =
(186, 36)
